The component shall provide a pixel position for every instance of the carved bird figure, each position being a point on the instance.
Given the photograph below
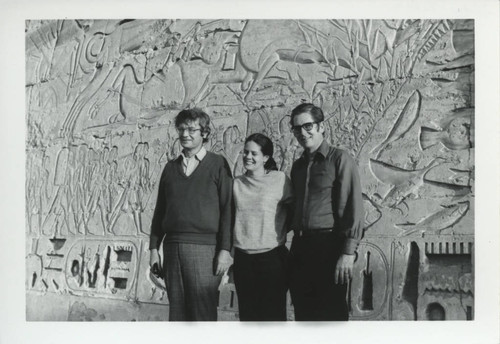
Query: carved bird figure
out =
(404, 182)
(438, 221)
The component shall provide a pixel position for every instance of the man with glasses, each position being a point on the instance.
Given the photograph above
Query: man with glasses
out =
(193, 219)
(327, 223)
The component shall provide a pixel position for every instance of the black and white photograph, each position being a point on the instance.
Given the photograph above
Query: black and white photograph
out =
(302, 174)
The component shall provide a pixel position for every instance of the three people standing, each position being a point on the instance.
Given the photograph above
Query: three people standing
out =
(193, 217)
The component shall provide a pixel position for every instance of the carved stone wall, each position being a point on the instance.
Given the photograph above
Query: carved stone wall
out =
(101, 96)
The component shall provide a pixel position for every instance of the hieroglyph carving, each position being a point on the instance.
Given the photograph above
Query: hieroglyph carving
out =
(101, 96)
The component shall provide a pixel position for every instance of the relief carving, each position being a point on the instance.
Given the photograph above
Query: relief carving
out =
(101, 96)
(368, 291)
(98, 267)
(438, 221)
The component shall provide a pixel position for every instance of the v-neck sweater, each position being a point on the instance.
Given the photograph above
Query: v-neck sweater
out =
(194, 209)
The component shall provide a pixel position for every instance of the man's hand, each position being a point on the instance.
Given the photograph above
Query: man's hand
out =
(154, 258)
(343, 270)
(222, 262)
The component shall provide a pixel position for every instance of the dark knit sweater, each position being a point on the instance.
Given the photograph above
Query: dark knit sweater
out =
(194, 209)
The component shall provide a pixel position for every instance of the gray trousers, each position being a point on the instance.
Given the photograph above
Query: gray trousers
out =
(192, 287)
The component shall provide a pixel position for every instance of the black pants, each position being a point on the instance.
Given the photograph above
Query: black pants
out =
(315, 296)
(260, 281)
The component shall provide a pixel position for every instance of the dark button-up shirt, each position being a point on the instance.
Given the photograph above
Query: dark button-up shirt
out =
(328, 194)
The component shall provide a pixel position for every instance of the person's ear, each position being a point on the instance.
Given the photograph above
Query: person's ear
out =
(321, 127)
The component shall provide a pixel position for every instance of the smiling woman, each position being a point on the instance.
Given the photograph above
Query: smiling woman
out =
(257, 155)
(261, 197)
(111, 102)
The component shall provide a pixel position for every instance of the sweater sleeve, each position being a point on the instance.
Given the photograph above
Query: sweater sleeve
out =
(225, 189)
(157, 234)
(349, 202)
(287, 191)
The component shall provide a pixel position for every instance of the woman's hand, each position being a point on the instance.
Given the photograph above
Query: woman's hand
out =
(222, 262)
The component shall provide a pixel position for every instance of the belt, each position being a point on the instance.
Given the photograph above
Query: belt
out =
(312, 232)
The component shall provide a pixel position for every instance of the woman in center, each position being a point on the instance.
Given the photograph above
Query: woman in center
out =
(261, 198)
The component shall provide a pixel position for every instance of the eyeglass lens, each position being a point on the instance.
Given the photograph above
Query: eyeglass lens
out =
(307, 127)
(181, 130)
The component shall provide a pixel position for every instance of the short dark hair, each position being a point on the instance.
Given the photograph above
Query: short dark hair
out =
(266, 147)
(191, 115)
(313, 110)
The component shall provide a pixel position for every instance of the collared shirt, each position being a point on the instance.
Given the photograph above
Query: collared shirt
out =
(190, 164)
(328, 194)
(194, 209)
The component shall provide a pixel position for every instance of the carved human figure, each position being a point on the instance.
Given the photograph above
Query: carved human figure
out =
(139, 185)
(112, 192)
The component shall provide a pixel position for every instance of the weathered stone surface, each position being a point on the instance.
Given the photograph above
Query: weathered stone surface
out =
(100, 99)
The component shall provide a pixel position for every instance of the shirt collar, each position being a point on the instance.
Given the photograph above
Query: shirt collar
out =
(199, 156)
(322, 150)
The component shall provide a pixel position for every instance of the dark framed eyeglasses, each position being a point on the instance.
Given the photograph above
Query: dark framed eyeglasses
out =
(190, 130)
(297, 129)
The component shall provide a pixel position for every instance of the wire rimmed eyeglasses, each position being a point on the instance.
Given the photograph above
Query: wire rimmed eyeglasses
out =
(190, 130)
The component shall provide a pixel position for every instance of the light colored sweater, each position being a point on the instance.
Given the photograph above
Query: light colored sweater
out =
(261, 211)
